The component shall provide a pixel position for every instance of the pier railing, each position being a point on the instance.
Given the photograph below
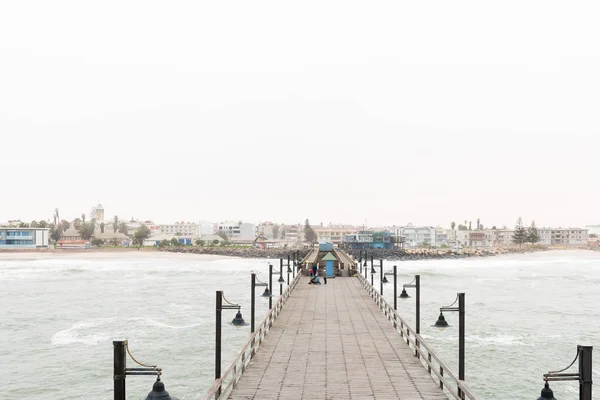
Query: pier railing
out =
(447, 380)
(222, 387)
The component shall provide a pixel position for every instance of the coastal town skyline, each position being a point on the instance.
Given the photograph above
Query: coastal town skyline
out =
(106, 216)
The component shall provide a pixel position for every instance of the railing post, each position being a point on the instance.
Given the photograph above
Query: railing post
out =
(429, 363)
(585, 372)
(120, 363)
(219, 304)
(441, 380)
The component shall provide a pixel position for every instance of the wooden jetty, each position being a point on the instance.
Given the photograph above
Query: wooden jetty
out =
(339, 340)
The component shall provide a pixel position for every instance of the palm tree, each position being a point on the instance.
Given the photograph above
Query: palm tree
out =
(115, 223)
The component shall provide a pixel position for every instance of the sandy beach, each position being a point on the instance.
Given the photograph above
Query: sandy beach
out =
(99, 254)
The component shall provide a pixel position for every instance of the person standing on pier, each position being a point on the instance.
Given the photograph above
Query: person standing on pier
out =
(314, 270)
(325, 276)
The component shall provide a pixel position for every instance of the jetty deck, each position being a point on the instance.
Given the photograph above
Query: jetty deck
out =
(333, 342)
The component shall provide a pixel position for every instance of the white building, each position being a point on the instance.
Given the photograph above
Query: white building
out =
(563, 236)
(24, 238)
(180, 229)
(235, 230)
(265, 229)
(206, 228)
(416, 236)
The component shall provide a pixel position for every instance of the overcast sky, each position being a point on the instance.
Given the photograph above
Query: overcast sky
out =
(389, 112)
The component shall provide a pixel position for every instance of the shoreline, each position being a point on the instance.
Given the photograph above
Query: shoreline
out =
(216, 253)
(113, 253)
(383, 254)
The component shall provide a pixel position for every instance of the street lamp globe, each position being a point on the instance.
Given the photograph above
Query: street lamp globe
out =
(159, 393)
(546, 393)
(238, 321)
(441, 323)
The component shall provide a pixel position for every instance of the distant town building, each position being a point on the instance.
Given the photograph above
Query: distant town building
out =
(237, 230)
(97, 213)
(563, 236)
(24, 238)
(369, 240)
(206, 228)
(180, 229)
(294, 233)
(415, 236)
(333, 234)
(266, 230)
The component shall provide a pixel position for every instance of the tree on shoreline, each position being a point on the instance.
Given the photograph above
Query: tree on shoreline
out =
(123, 228)
(309, 233)
(142, 233)
(520, 235)
(533, 236)
(86, 230)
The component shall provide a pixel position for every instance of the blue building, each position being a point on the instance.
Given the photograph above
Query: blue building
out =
(369, 240)
(24, 238)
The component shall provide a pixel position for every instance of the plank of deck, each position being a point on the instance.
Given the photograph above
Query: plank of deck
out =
(332, 342)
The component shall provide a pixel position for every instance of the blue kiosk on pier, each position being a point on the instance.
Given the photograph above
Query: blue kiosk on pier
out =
(329, 260)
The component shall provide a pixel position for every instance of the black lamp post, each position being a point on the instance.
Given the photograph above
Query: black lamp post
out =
(381, 277)
(373, 272)
(270, 286)
(404, 296)
(395, 285)
(584, 375)
(442, 324)
(289, 270)
(281, 280)
(120, 351)
(238, 321)
(360, 260)
(267, 293)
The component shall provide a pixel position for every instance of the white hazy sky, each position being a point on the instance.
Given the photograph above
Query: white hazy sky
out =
(393, 112)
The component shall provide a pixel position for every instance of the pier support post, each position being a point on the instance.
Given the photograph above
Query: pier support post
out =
(120, 363)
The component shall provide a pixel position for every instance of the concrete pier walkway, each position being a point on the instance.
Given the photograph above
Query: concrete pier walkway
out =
(332, 342)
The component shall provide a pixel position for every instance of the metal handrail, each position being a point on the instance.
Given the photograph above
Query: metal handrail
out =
(422, 350)
(219, 388)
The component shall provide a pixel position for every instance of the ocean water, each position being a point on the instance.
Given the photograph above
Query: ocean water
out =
(525, 314)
